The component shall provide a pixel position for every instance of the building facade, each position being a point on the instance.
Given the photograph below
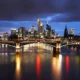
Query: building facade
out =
(21, 32)
(40, 27)
(13, 31)
(72, 31)
(5, 36)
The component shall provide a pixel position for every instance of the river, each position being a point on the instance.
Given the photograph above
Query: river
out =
(37, 62)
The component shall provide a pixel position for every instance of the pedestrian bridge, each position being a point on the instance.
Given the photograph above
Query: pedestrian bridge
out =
(56, 43)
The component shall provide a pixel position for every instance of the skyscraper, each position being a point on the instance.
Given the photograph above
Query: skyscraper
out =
(49, 31)
(32, 29)
(22, 32)
(40, 26)
(48, 27)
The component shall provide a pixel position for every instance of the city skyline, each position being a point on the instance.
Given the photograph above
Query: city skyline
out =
(58, 26)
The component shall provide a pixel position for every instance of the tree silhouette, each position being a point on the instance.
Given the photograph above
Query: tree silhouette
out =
(13, 37)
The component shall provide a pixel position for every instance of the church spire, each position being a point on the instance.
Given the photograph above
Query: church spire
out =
(65, 31)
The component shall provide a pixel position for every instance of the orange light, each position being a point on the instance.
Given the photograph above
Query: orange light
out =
(67, 63)
(38, 67)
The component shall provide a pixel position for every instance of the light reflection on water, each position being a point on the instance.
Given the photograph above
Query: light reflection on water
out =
(56, 67)
(38, 67)
(18, 66)
(37, 63)
(67, 63)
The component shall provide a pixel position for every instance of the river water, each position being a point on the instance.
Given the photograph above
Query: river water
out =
(37, 62)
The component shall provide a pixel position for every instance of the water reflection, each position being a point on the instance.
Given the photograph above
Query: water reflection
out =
(18, 66)
(37, 63)
(77, 65)
(56, 67)
(5, 58)
(67, 64)
(38, 67)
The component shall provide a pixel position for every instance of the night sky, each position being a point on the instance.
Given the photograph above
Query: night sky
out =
(16, 13)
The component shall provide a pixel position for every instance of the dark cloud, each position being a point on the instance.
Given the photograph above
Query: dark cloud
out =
(30, 9)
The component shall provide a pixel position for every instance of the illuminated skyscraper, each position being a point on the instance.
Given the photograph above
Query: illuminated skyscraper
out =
(40, 26)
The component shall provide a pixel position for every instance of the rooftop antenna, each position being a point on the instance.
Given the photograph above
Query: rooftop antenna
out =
(38, 19)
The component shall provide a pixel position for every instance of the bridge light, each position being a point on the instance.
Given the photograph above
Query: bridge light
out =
(38, 42)
(17, 45)
(77, 43)
(60, 58)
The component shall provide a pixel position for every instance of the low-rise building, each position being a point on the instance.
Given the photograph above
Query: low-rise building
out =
(5, 36)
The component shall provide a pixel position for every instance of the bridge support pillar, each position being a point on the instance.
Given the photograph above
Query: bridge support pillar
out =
(56, 49)
(2, 45)
(17, 45)
(6, 45)
(58, 45)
